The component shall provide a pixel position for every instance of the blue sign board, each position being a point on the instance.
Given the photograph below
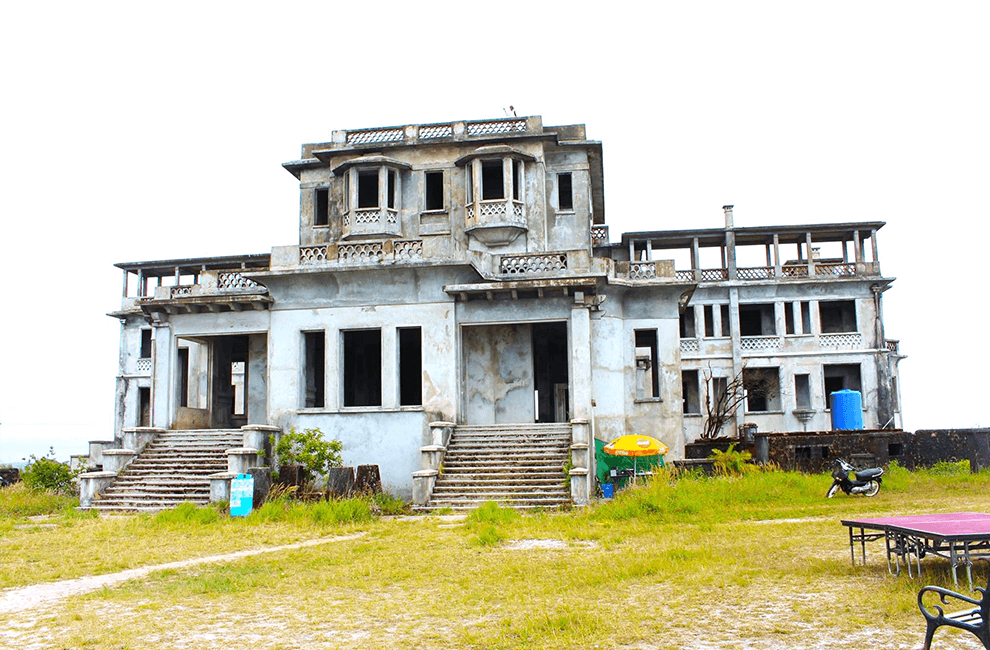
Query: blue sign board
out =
(241, 495)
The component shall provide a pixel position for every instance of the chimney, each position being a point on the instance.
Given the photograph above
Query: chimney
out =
(728, 216)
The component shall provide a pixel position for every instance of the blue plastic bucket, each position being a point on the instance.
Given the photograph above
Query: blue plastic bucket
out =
(608, 490)
(847, 410)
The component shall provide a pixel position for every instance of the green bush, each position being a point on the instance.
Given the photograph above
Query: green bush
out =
(731, 462)
(46, 474)
(308, 449)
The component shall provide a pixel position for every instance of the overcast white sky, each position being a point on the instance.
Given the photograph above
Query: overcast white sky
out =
(136, 131)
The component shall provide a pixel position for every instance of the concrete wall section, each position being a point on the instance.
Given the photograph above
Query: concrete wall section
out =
(498, 367)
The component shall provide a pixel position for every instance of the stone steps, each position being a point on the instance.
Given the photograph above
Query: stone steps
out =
(173, 469)
(518, 465)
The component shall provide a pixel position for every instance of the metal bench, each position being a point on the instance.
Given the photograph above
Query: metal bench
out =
(974, 619)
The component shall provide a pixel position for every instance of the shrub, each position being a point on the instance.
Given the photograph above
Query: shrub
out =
(731, 462)
(46, 474)
(308, 449)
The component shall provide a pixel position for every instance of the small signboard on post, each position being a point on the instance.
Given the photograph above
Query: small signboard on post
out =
(241, 495)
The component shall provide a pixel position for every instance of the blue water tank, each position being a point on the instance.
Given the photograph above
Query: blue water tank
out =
(847, 410)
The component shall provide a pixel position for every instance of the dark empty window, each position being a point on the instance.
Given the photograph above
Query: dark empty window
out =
(689, 389)
(895, 449)
(756, 320)
(321, 216)
(841, 376)
(802, 452)
(362, 368)
(368, 189)
(806, 318)
(647, 356)
(837, 316)
(517, 167)
(434, 191)
(391, 188)
(726, 331)
(145, 344)
(144, 403)
(183, 376)
(788, 318)
(762, 387)
(709, 321)
(802, 391)
(315, 349)
(687, 323)
(410, 366)
(565, 196)
(492, 185)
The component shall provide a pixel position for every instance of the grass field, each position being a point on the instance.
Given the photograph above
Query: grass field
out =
(758, 561)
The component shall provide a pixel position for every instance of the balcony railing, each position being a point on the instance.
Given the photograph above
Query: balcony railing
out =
(845, 340)
(599, 235)
(511, 265)
(759, 342)
(371, 222)
(893, 346)
(396, 251)
(758, 273)
(212, 283)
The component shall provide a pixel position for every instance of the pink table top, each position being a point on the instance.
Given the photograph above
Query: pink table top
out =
(955, 525)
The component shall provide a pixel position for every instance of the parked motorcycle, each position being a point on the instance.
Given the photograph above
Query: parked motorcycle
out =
(855, 481)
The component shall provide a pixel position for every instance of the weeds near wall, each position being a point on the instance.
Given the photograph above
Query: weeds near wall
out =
(47, 474)
(732, 462)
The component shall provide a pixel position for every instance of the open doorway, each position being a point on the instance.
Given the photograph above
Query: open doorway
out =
(220, 381)
(550, 371)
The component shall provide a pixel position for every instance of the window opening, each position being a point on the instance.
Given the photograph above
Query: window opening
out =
(895, 449)
(145, 344)
(726, 323)
(410, 366)
(840, 376)
(648, 379)
(184, 377)
(517, 180)
(709, 321)
(550, 371)
(565, 197)
(144, 400)
(362, 368)
(788, 318)
(689, 390)
(756, 320)
(315, 353)
(492, 183)
(806, 318)
(687, 323)
(762, 387)
(802, 451)
(837, 316)
(321, 216)
(802, 391)
(368, 189)
(434, 191)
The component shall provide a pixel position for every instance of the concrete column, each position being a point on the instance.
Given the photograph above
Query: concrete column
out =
(696, 259)
(581, 395)
(124, 292)
(780, 321)
(876, 258)
(730, 243)
(776, 256)
(161, 384)
(717, 320)
(811, 255)
(507, 184)
(390, 383)
(816, 322)
(332, 391)
(699, 321)
(736, 349)
(649, 250)
(796, 311)
(256, 391)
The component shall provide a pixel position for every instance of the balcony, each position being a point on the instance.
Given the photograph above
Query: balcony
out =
(371, 222)
(822, 270)
(497, 222)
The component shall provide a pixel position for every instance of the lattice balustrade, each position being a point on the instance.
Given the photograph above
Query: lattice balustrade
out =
(713, 275)
(375, 135)
(848, 340)
(312, 254)
(893, 346)
(755, 273)
(528, 264)
(759, 342)
(794, 271)
(642, 271)
(234, 280)
(835, 269)
(599, 235)
(517, 209)
(469, 210)
(360, 254)
(496, 127)
(689, 346)
(181, 291)
(684, 276)
(408, 251)
(435, 131)
(144, 366)
(493, 209)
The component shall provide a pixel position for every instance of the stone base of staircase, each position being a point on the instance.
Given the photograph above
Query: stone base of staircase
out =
(173, 469)
(517, 465)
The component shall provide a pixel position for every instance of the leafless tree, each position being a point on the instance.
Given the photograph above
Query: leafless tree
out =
(721, 407)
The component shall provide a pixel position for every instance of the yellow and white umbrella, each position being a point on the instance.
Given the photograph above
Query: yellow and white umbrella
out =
(635, 445)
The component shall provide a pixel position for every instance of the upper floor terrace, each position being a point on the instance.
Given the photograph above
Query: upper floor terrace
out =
(760, 254)
(194, 284)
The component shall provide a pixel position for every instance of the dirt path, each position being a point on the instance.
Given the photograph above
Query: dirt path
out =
(19, 599)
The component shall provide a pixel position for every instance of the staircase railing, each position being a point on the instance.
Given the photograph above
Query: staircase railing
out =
(433, 454)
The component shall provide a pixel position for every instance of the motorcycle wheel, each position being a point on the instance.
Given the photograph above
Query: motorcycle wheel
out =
(874, 487)
(832, 491)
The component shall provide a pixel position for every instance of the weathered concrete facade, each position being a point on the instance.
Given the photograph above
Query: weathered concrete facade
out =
(461, 272)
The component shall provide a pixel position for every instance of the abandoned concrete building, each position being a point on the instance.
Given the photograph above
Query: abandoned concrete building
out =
(455, 312)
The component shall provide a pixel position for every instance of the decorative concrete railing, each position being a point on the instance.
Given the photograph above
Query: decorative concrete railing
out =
(234, 280)
(599, 235)
(453, 130)
(532, 264)
(432, 456)
(212, 283)
(846, 340)
(366, 254)
(714, 275)
(496, 127)
(759, 342)
(835, 269)
(642, 271)
(371, 221)
(143, 366)
(689, 346)
(755, 273)
(684, 276)
(893, 346)
(794, 271)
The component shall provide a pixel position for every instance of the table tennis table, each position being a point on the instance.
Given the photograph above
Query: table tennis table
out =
(960, 537)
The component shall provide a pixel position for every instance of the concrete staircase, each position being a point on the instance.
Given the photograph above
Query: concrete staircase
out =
(173, 469)
(518, 465)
